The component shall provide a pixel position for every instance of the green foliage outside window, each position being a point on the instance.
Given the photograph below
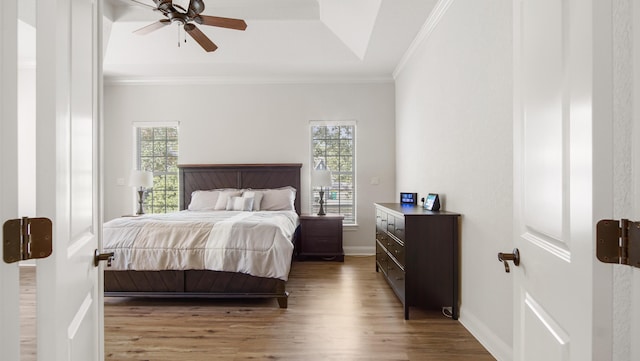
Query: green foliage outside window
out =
(333, 148)
(158, 153)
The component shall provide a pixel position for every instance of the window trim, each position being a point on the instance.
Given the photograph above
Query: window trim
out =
(347, 122)
(136, 157)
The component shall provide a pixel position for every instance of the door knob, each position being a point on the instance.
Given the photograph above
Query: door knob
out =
(504, 257)
(102, 257)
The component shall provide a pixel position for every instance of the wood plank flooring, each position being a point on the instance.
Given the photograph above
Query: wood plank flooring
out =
(27, 313)
(337, 311)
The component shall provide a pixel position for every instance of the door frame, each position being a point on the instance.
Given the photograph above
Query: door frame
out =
(602, 133)
(9, 273)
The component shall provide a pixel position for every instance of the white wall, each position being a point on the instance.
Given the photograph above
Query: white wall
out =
(454, 137)
(264, 123)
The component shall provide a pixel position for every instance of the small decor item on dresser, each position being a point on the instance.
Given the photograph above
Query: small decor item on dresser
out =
(432, 203)
(408, 198)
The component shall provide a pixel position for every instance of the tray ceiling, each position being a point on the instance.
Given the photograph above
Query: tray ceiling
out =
(294, 40)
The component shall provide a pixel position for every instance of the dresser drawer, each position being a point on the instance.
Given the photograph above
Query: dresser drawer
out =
(382, 237)
(319, 244)
(395, 226)
(382, 259)
(398, 229)
(395, 277)
(321, 229)
(381, 221)
(397, 251)
(391, 224)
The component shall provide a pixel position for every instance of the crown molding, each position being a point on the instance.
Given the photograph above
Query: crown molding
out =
(221, 80)
(432, 22)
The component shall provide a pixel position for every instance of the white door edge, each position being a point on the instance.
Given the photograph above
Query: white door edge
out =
(9, 273)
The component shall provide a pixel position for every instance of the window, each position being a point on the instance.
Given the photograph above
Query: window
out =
(157, 152)
(333, 148)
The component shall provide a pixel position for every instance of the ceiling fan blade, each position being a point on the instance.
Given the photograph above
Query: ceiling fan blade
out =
(237, 24)
(200, 38)
(152, 27)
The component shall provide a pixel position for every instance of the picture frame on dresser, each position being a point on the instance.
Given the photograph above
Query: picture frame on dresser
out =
(407, 198)
(432, 202)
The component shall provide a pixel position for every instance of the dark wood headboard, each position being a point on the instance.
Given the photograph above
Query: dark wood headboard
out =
(195, 177)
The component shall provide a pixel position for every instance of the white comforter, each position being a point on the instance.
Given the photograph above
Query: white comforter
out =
(257, 243)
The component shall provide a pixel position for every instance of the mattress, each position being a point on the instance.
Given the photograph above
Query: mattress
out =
(256, 243)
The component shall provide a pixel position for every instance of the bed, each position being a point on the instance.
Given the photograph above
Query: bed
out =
(184, 281)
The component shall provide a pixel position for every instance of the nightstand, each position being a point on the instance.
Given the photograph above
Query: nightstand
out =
(321, 236)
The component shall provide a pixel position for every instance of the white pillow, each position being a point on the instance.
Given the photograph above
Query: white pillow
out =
(257, 198)
(280, 199)
(239, 204)
(223, 198)
(203, 200)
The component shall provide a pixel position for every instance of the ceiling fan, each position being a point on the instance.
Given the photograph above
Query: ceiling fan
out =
(186, 13)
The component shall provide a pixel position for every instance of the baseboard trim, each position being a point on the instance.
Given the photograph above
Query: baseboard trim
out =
(359, 251)
(495, 345)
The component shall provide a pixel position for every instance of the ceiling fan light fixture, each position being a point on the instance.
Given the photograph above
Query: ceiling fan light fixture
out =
(185, 13)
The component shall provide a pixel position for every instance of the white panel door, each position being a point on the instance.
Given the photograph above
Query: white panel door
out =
(69, 297)
(559, 88)
(9, 300)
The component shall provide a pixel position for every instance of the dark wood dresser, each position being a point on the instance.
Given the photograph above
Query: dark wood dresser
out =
(417, 252)
(321, 237)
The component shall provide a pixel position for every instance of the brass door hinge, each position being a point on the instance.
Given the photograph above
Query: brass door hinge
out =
(26, 238)
(618, 242)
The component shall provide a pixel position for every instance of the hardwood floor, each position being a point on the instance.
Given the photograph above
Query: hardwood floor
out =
(27, 313)
(337, 311)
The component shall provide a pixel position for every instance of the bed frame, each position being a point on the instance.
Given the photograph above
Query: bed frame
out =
(203, 283)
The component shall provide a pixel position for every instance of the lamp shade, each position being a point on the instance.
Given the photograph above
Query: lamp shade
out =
(140, 178)
(321, 178)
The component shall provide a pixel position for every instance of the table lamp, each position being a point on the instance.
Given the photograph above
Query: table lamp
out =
(142, 181)
(322, 179)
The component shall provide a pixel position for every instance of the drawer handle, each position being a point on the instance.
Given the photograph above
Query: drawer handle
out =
(399, 278)
(396, 251)
(399, 229)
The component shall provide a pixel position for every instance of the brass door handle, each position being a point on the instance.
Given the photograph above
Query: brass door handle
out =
(102, 257)
(504, 257)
